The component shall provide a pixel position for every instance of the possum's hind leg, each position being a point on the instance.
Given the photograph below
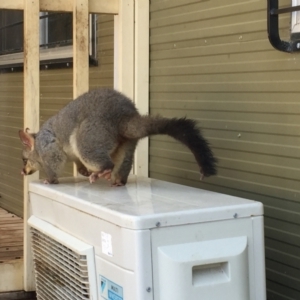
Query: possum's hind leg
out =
(81, 168)
(123, 159)
(93, 175)
(93, 151)
(102, 166)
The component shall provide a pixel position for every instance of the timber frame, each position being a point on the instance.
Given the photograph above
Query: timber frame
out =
(131, 70)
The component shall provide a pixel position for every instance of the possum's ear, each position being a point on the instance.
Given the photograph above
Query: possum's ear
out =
(27, 139)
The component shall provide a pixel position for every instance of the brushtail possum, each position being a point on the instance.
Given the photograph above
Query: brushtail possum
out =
(99, 131)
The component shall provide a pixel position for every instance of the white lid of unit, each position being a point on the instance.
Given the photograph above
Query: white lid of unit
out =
(146, 203)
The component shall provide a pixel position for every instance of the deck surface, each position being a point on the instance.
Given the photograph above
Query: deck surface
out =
(11, 236)
(11, 251)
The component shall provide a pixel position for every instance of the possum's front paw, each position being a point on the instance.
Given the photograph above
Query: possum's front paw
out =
(116, 180)
(93, 177)
(117, 183)
(53, 181)
(106, 174)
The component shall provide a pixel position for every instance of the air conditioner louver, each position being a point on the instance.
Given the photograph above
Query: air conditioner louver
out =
(64, 265)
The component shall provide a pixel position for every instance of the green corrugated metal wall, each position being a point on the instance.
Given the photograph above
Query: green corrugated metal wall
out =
(11, 120)
(212, 61)
(55, 92)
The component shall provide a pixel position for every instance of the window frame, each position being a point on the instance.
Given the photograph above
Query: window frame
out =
(56, 57)
(295, 21)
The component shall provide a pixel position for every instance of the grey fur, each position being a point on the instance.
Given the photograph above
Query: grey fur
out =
(99, 131)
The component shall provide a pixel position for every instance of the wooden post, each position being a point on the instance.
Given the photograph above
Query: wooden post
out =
(141, 80)
(31, 116)
(124, 48)
(131, 64)
(80, 47)
(80, 50)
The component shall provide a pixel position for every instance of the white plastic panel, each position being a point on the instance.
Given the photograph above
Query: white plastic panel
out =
(144, 202)
(207, 233)
(58, 214)
(131, 285)
(258, 287)
(216, 269)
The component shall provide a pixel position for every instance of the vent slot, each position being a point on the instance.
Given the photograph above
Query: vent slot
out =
(61, 272)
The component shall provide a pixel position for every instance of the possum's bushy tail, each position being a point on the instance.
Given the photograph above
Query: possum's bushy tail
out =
(183, 130)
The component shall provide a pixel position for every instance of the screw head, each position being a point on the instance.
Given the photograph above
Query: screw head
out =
(157, 224)
(235, 215)
(148, 289)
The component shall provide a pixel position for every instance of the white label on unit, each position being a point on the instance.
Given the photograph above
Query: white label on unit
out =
(106, 244)
(110, 290)
(295, 23)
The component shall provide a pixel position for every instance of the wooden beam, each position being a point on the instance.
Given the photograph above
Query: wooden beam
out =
(56, 5)
(9, 4)
(80, 50)
(104, 6)
(31, 116)
(95, 6)
(141, 80)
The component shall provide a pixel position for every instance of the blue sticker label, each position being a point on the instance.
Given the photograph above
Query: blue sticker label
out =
(110, 290)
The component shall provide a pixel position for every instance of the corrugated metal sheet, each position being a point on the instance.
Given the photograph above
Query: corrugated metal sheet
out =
(11, 120)
(103, 76)
(212, 61)
(56, 91)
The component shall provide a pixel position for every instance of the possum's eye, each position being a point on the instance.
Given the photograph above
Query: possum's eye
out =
(25, 161)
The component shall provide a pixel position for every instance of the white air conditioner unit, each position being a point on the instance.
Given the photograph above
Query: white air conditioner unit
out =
(148, 240)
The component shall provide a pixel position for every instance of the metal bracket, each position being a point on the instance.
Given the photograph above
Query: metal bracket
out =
(273, 28)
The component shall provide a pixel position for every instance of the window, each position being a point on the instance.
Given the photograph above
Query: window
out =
(295, 23)
(11, 31)
(293, 42)
(56, 34)
(56, 30)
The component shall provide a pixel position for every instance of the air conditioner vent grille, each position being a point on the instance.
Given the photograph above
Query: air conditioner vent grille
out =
(61, 273)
